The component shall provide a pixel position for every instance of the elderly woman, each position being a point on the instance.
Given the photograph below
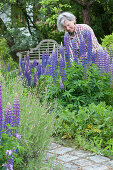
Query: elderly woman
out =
(67, 22)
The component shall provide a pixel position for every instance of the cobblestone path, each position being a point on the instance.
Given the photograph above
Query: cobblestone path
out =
(71, 159)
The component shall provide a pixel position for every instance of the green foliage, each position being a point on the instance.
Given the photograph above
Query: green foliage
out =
(4, 51)
(5, 57)
(81, 91)
(93, 123)
(10, 143)
(8, 76)
(108, 41)
(52, 9)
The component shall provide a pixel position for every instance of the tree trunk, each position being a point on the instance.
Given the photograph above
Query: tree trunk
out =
(86, 15)
(85, 4)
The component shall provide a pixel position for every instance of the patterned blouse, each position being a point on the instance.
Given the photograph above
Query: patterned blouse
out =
(79, 28)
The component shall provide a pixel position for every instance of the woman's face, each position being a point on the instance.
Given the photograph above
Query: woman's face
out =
(69, 26)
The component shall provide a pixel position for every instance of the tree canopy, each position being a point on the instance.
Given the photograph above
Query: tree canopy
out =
(24, 23)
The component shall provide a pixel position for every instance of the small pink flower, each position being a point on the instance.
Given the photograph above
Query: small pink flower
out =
(9, 152)
(18, 136)
(4, 165)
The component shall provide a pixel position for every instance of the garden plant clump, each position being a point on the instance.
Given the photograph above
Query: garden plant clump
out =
(26, 127)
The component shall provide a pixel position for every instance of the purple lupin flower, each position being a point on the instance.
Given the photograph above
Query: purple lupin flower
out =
(16, 114)
(101, 60)
(35, 77)
(46, 57)
(27, 71)
(98, 59)
(8, 67)
(23, 66)
(52, 67)
(83, 53)
(75, 52)
(43, 63)
(61, 84)
(39, 70)
(1, 111)
(50, 62)
(107, 60)
(94, 56)
(20, 71)
(10, 164)
(20, 61)
(29, 75)
(27, 57)
(61, 52)
(111, 54)
(34, 63)
(31, 65)
(67, 49)
(48, 67)
(89, 46)
(8, 116)
(111, 79)
(82, 49)
(54, 63)
(55, 56)
(62, 68)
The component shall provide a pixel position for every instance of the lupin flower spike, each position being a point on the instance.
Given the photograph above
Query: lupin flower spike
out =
(16, 114)
(62, 68)
(8, 117)
(1, 111)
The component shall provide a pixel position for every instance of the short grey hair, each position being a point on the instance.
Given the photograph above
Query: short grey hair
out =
(63, 17)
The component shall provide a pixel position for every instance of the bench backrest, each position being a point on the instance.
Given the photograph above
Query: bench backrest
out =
(43, 47)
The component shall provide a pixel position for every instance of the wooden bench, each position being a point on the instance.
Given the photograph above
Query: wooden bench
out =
(44, 46)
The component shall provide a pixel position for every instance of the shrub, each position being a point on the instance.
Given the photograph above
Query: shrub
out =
(79, 91)
(5, 57)
(108, 41)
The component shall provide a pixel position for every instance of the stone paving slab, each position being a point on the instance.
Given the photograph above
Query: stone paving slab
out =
(67, 158)
(99, 158)
(54, 146)
(61, 150)
(69, 166)
(95, 167)
(109, 164)
(81, 153)
(50, 155)
(82, 162)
